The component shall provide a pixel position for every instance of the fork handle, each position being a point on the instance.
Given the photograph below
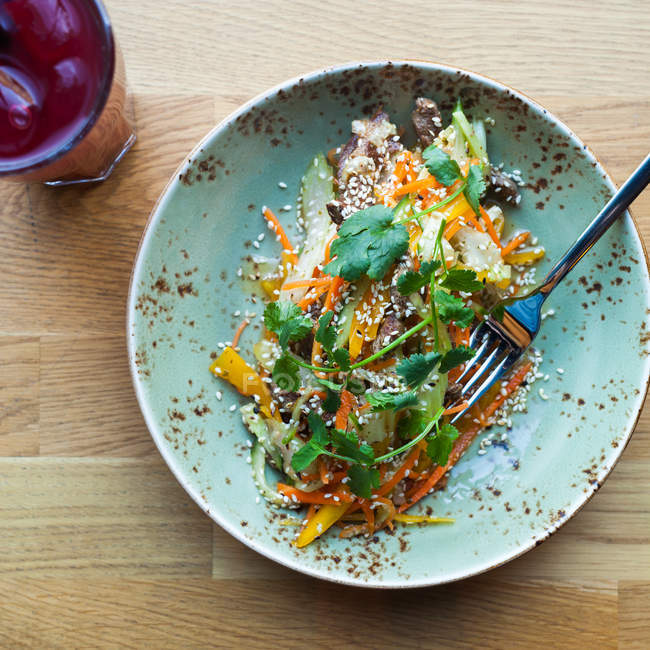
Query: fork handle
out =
(632, 187)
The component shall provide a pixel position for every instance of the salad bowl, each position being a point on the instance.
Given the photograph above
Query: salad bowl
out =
(190, 288)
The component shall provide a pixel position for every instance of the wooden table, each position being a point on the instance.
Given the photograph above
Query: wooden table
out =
(98, 543)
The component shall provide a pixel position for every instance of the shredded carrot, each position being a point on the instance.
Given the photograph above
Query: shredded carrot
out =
(380, 365)
(312, 282)
(312, 296)
(508, 389)
(467, 164)
(348, 402)
(279, 230)
(489, 226)
(334, 293)
(328, 257)
(353, 530)
(452, 228)
(470, 218)
(309, 477)
(364, 407)
(410, 461)
(402, 166)
(300, 496)
(238, 333)
(331, 157)
(455, 409)
(416, 186)
(461, 444)
(323, 471)
(515, 242)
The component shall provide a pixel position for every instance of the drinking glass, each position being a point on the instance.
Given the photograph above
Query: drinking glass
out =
(65, 113)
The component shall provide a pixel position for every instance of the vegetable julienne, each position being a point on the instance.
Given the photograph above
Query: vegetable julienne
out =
(369, 324)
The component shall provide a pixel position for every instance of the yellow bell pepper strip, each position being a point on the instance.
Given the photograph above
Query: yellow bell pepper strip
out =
(231, 367)
(324, 518)
(525, 255)
(456, 208)
(421, 519)
(274, 282)
(367, 316)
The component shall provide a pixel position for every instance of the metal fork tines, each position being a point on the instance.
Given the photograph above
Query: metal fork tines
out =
(499, 344)
(495, 355)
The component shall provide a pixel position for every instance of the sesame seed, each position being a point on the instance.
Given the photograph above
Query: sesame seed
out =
(282, 186)
(232, 407)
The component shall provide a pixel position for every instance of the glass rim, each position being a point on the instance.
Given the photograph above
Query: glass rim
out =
(106, 82)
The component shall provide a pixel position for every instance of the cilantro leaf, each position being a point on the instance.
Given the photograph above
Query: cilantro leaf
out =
(287, 321)
(440, 445)
(330, 384)
(441, 165)
(319, 434)
(368, 242)
(461, 280)
(412, 281)
(347, 444)
(326, 334)
(414, 423)
(451, 308)
(331, 403)
(285, 373)
(455, 357)
(395, 401)
(362, 480)
(295, 330)
(475, 187)
(277, 313)
(342, 358)
(416, 368)
(305, 456)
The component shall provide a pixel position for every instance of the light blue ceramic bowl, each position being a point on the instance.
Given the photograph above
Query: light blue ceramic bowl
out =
(185, 290)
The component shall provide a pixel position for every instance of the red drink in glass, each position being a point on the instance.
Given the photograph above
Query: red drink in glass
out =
(63, 102)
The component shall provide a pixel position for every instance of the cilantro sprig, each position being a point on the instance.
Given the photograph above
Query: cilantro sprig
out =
(446, 171)
(368, 242)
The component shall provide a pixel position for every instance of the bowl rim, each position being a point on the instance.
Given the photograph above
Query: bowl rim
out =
(169, 458)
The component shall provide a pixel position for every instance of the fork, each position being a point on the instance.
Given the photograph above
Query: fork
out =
(499, 344)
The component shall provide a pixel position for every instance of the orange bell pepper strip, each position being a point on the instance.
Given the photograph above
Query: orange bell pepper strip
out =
(316, 525)
(231, 367)
(366, 319)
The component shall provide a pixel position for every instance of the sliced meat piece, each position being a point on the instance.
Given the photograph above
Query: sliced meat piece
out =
(426, 120)
(334, 210)
(502, 187)
(453, 393)
(360, 155)
(389, 330)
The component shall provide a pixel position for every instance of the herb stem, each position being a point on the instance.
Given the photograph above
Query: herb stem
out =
(308, 366)
(437, 206)
(393, 345)
(412, 443)
(434, 314)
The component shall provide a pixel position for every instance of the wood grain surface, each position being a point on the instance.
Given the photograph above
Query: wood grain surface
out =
(99, 546)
